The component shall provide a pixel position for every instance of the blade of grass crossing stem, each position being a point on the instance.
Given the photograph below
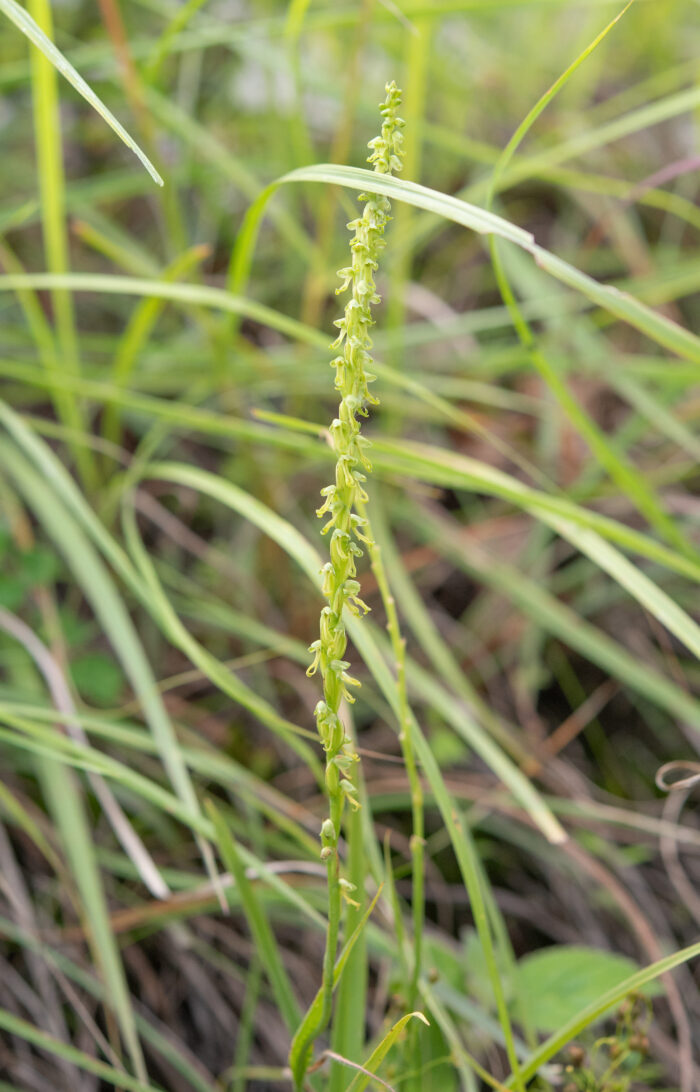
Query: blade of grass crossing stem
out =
(62, 791)
(380, 1052)
(265, 944)
(445, 468)
(38, 31)
(47, 137)
(198, 295)
(109, 608)
(359, 179)
(209, 764)
(440, 466)
(293, 543)
(598, 1008)
(14, 1025)
(278, 529)
(620, 304)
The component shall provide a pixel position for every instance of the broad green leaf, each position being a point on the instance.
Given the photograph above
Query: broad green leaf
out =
(606, 1001)
(97, 678)
(556, 983)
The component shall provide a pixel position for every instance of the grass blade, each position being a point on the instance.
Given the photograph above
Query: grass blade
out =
(30, 28)
(16, 1026)
(380, 1052)
(265, 944)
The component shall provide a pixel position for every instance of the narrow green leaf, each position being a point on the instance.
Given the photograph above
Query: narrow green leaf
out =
(380, 1052)
(108, 606)
(36, 36)
(309, 560)
(621, 304)
(16, 1026)
(313, 1013)
(265, 943)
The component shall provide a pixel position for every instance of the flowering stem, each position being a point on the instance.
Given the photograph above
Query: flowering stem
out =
(347, 530)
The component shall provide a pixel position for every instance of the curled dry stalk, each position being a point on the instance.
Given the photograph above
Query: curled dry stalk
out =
(347, 529)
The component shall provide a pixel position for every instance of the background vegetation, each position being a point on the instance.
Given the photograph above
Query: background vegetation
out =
(165, 397)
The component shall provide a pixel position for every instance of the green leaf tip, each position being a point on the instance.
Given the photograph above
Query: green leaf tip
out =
(23, 20)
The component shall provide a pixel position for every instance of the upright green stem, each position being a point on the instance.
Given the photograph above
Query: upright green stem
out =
(47, 133)
(398, 645)
(348, 530)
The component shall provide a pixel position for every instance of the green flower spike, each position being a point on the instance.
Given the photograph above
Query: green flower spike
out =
(352, 380)
(346, 529)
